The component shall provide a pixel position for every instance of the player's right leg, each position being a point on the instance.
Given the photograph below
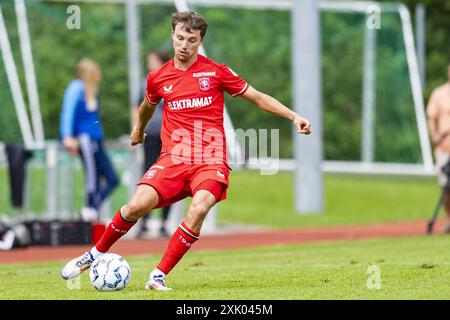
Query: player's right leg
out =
(205, 196)
(144, 199)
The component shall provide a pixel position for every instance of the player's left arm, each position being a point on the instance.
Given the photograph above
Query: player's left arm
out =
(270, 104)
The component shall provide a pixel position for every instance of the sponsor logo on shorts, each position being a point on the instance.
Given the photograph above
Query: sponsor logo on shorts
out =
(220, 174)
(150, 174)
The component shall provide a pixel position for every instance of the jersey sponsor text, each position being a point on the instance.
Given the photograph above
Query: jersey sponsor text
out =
(189, 103)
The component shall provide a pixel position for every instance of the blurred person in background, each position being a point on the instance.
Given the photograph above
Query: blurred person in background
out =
(152, 143)
(82, 133)
(438, 111)
(17, 156)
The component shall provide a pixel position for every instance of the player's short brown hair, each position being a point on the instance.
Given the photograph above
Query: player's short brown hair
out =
(191, 21)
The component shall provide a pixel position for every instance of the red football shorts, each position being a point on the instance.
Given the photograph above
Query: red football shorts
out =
(174, 181)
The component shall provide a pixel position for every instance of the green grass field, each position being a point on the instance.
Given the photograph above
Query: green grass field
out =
(410, 268)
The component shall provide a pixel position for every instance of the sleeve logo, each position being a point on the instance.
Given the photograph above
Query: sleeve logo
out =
(168, 89)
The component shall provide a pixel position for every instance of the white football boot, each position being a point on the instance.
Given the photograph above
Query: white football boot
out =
(76, 266)
(156, 281)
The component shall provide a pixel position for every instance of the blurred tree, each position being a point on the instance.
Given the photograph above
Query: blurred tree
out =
(256, 45)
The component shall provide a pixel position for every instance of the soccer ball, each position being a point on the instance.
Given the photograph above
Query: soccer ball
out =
(110, 272)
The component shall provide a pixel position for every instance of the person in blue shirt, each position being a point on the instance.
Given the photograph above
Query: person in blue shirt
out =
(82, 133)
(152, 143)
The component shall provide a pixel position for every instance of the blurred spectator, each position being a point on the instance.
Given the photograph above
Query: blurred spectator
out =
(152, 142)
(17, 157)
(438, 110)
(82, 133)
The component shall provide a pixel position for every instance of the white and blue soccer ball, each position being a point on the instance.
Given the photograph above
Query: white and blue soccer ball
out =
(110, 272)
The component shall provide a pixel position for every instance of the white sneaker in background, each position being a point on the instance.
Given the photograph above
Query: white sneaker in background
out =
(89, 214)
(7, 241)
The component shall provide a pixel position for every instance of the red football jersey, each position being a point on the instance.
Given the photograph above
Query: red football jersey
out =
(192, 123)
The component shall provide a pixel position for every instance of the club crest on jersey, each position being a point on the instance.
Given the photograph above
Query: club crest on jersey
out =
(204, 83)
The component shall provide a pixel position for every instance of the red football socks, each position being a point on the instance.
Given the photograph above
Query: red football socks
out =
(180, 242)
(115, 230)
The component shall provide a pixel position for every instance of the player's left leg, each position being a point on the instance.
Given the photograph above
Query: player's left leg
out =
(206, 195)
(144, 199)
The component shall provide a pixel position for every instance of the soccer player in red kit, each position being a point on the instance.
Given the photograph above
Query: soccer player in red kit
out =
(193, 160)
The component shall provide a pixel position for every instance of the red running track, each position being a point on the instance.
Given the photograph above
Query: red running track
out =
(230, 241)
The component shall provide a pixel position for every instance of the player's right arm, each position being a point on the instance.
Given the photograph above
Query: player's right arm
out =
(145, 112)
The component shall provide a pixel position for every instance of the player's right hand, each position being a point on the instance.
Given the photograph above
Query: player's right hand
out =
(137, 136)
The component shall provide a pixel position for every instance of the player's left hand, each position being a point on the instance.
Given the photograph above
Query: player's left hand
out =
(303, 126)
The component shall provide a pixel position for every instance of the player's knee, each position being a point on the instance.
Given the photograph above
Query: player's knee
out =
(199, 208)
(196, 215)
(134, 210)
